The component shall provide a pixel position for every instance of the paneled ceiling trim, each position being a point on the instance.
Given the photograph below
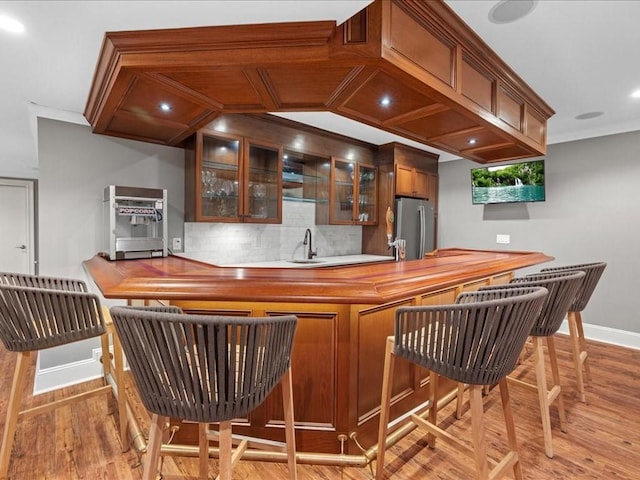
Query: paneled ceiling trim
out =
(248, 69)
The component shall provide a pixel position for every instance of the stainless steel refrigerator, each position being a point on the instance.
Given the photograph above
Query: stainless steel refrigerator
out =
(414, 222)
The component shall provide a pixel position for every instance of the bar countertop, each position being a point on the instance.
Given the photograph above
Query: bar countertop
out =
(177, 278)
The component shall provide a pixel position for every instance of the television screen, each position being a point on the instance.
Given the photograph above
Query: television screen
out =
(514, 182)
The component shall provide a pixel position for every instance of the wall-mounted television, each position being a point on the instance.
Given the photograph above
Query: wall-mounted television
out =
(508, 183)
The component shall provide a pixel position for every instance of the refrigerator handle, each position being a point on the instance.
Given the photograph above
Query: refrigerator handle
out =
(422, 222)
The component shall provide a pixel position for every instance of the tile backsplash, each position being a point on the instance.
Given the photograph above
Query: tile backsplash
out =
(232, 243)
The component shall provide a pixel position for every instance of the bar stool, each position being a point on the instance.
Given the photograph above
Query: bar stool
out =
(562, 288)
(118, 367)
(36, 313)
(475, 341)
(593, 273)
(207, 369)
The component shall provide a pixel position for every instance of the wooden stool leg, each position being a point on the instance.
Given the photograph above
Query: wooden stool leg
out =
(583, 346)
(543, 398)
(290, 432)
(511, 429)
(459, 400)
(118, 358)
(226, 451)
(477, 429)
(385, 404)
(13, 409)
(575, 346)
(117, 373)
(106, 359)
(553, 360)
(203, 450)
(153, 447)
(433, 408)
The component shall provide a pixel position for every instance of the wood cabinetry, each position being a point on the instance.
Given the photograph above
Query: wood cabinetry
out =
(344, 317)
(353, 193)
(403, 172)
(446, 87)
(233, 179)
(416, 183)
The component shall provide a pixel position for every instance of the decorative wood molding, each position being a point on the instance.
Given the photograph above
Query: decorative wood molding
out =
(434, 67)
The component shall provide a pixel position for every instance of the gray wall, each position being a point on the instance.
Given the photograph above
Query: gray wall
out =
(591, 213)
(75, 166)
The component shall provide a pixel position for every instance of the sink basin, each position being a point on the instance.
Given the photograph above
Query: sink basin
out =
(305, 260)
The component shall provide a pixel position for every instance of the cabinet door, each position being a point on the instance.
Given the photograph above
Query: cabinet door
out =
(218, 171)
(422, 185)
(404, 180)
(262, 199)
(343, 192)
(367, 191)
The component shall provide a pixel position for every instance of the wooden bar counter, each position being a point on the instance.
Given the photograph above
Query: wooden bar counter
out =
(345, 314)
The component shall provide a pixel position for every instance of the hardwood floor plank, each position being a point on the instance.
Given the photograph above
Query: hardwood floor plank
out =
(602, 441)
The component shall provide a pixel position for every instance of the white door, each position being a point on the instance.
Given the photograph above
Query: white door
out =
(17, 226)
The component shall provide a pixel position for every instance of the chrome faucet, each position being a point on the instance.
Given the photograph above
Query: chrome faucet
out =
(307, 241)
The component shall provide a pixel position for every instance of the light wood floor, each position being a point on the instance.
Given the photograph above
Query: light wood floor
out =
(602, 442)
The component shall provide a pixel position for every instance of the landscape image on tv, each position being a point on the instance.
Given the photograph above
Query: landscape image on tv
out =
(516, 182)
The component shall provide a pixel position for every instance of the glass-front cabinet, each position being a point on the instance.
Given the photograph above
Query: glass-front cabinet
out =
(219, 178)
(354, 193)
(263, 182)
(237, 180)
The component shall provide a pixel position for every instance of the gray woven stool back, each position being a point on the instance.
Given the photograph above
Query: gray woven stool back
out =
(202, 368)
(49, 312)
(593, 273)
(562, 287)
(40, 281)
(475, 341)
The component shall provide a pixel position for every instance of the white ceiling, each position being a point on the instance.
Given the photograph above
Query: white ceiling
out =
(577, 55)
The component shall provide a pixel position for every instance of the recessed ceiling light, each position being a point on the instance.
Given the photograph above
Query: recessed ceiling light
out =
(635, 94)
(385, 101)
(588, 115)
(506, 11)
(472, 141)
(10, 25)
(165, 107)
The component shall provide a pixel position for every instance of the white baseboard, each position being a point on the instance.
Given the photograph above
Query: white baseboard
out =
(60, 376)
(606, 335)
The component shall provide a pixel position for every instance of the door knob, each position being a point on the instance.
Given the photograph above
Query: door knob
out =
(22, 247)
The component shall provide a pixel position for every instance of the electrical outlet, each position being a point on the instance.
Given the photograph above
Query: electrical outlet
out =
(503, 238)
(177, 244)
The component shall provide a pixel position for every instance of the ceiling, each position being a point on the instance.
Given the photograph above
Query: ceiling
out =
(577, 55)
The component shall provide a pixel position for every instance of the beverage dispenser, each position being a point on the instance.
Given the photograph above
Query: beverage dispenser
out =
(135, 222)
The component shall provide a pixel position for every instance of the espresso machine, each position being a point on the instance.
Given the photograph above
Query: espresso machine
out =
(135, 222)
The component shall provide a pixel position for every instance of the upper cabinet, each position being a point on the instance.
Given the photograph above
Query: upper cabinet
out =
(262, 200)
(353, 193)
(409, 67)
(413, 182)
(233, 179)
(411, 173)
